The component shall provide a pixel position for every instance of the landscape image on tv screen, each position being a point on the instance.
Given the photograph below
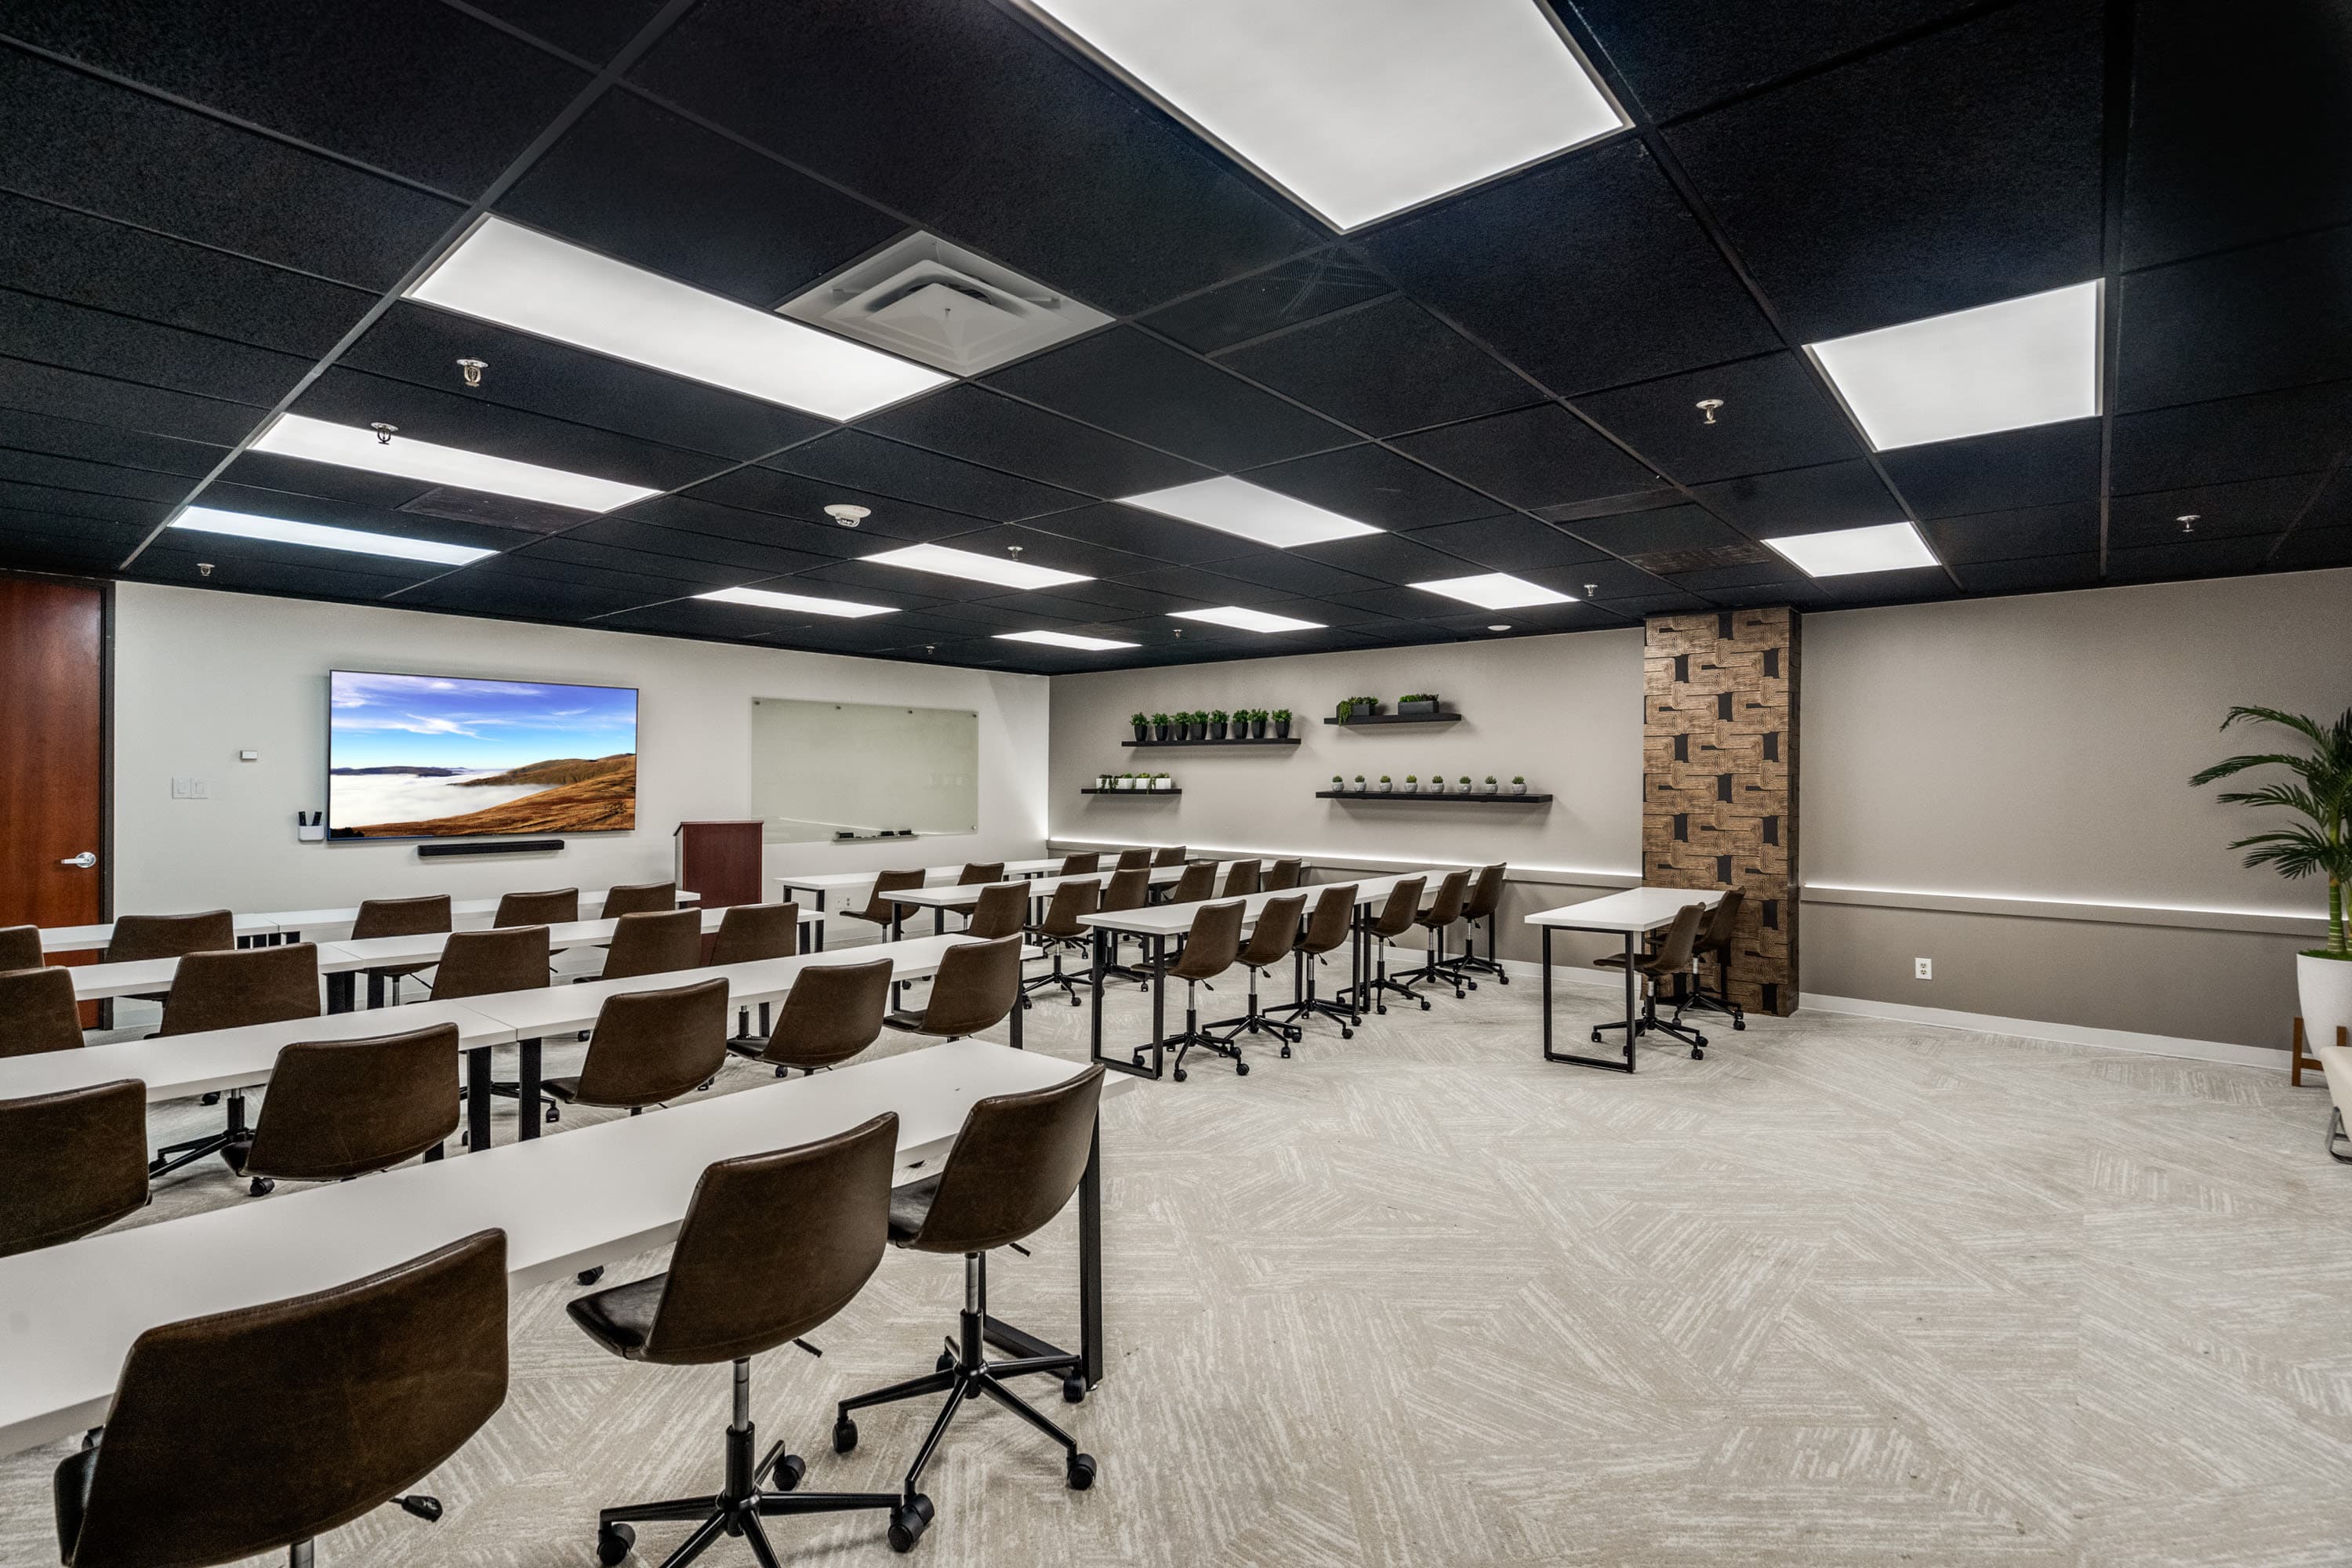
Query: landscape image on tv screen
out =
(436, 756)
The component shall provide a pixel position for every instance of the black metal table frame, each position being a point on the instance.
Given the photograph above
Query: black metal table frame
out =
(1632, 1008)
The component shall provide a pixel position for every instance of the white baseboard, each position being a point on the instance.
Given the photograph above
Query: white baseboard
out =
(2062, 1034)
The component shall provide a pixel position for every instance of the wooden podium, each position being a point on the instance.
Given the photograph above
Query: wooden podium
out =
(720, 860)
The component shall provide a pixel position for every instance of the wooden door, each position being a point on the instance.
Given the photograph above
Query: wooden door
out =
(53, 760)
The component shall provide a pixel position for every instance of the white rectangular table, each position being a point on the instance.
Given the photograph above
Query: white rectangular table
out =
(291, 924)
(1631, 914)
(598, 1194)
(822, 883)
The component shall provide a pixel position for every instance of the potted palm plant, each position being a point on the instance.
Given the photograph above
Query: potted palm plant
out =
(1282, 723)
(2320, 794)
(1142, 723)
(1160, 726)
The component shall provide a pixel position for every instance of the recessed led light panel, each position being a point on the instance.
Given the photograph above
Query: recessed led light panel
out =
(1886, 547)
(1249, 512)
(1358, 109)
(800, 604)
(2033, 361)
(1064, 640)
(347, 446)
(1248, 620)
(519, 277)
(317, 536)
(1495, 591)
(964, 563)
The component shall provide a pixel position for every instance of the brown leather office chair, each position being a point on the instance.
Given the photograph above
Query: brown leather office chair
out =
(1002, 910)
(1210, 946)
(748, 932)
(355, 1393)
(1716, 937)
(649, 1046)
(878, 907)
(137, 937)
(979, 873)
(1128, 889)
(1132, 859)
(1196, 882)
(833, 1012)
(226, 991)
(555, 906)
(37, 1011)
(650, 943)
(70, 1162)
(340, 1108)
(1444, 909)
(1084, 864)
(1668, 964)
(1396, 917)
(1327, 930)
(20, 947)
(1484, 898)
(1282, 876)
(1059, 932)
(1169, 854)
(976, 987)
(1015, 1164)
(1240, 879)
(398, 917)
(638, 899)
(1272, 940)
(773, 1246)
(483, 962)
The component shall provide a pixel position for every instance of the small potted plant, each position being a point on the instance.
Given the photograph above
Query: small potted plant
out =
(1411, 785)
(1465, 785)
(1355, 708)
(1143, 723)
(1359, 783)
(1417, 705)
(1217, 720)
(1338, 784)
(1160, 726)
(1163, 781)
(1518, 785)
(1383, 787)
(1488, 787)
(1127, 781)
(1437, 784)
(1282, 723)
(1258, 723)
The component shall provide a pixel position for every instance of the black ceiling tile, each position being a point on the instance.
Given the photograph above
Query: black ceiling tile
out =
(36, 498)
(2309, 549)
(1718, 579)
(1416, 557)
(1803, 595)
(1384, 368)
(2234, 438)
(417, 343)
(2246, 507)
(687, 514)
(2278, 159)
(1774, 415)
(593, 32)
(1374, 606)
(2276, 316)
(750, 559)
(1147, 533)
(1682, 54)
(330, 481)
(75, 140)
(2036, 574)
(1537, 457)
(94, 399)
(1912, 585)
(909, 473)
(98, 342)
(970, 422)
(2044, 465)
(1209, 587)
(1666, 528)
(974, 618)
(1124, 381)
(1297, 290)
(2333, 506)
(1372, 485)
(1954, 170)
(415, 88)
(1575, 512)
(1081, 186)
(242, 565)
(48, 544)
(702, 618)
(1589, 272)
(298, 506)
(86, 260)
(1057, 609)
(1602, 582)
(805, 500)
(1056, 551)
(868, 638)
(1532, 620)
(487, 588)
(1508, 543)
(639, 182)
(650, 565)
(2195, 558)
(2069, 529)
(1123, 599)
(900, 586)
(1288, 572)
(1666, 604)
(1804, 500)
(100, 478)
(24, 430)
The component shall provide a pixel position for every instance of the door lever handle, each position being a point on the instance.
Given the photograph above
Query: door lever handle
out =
(85, 860)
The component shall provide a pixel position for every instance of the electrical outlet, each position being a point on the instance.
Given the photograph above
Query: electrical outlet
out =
(1923, 969)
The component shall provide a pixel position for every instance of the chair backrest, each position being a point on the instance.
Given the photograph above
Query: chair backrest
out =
(652, 1046)
(1404, 904)
(1213, 944)
(1080, 865)
(555, 906)
(1674, 952)
(638, 899)
(37, 1011)
(833, 1012)
(1335, 915)
(1002, 910)
(343, 1108)
(1240, 879)
(877, 908)
(748, 932)
(401, 916)
(70, 1162)
(170, 936)
(1128, 859)
(1127, 889)
(1485, 893)
(1015, 1162)
(357, 1393)
(1197, 881)
(479, 963)
(978, 984)
(651, 944)
(20, 946)
(1445, 904)
(1722, 927)
(1276, 932)
(1282, 876)
(248, 985)
(977, 872)
(1070, 900)
(773, 1245)
(1168, 855)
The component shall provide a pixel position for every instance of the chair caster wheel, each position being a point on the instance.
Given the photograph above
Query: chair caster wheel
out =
(1473, 986)
(1740, 1023)
(1381, 1008)
(1180, 1075)
(427, 1508)
(1345, 1033)
(1073, 1390)
(1241, 1070)
(790, 1471)
(612, 1542)
(907, 1522)
(1285, 1050)
(590, 1275)
(465, 1140)
(1596, 1037)
(1425, 1006)
(1073, 999)
(1025, 1004)
(212, 1098)
(1081, 1472)
(1502, 980)
(945, 1363)
(844, 1438)
(1699, 1053)
(261, 1186)
(781, 1072)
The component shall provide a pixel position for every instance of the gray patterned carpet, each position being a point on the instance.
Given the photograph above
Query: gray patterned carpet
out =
(1845, 1292)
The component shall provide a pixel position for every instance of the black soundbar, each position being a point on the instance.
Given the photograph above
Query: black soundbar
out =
(500, 847)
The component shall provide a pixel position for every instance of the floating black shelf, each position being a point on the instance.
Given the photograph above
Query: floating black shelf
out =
(1269, 741)
(1434, 799)
(1157, 792)
(1372, 719)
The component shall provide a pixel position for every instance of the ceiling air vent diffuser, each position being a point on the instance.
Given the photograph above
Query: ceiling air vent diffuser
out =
(931, 302)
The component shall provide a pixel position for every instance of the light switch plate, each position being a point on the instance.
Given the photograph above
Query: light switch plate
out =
(187, 787)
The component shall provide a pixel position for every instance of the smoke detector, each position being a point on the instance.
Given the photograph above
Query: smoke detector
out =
(938, 303)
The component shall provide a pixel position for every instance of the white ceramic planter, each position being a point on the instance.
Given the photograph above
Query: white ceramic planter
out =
(1516, 789)
(1163, 784)
(2323, 986)
(1381, 788)
(1485, 789)
(1359, 786)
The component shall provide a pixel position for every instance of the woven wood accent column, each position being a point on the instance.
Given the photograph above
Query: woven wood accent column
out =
(1719, 780)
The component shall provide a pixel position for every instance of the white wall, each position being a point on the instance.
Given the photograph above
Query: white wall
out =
(199, 675)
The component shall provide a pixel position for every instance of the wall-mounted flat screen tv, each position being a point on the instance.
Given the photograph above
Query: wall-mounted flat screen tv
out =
(440, 756)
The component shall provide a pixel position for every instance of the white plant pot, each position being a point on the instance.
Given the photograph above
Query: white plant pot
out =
(1359, 786)
(1516, 789)
(1163, 784)
(2324, 988)
(1485, 789)
(1381, 788)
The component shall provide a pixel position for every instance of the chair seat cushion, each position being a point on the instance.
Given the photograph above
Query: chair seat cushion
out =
(621, 1319)
(910, 1206)
(566, 1089)
(72, 1493)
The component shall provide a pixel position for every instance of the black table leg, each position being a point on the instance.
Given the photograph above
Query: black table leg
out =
(1158, 1003)
(477, 1099)
(342, 990)
(819, 946)
(1020, 1005)
(1098, 957)
(527, 1085)
(1632, 1020)
(376, 989)
(1090, 1306)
